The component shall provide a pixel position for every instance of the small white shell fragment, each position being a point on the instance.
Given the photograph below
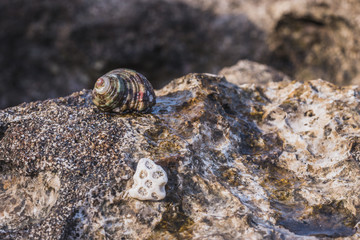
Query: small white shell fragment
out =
(149, 181)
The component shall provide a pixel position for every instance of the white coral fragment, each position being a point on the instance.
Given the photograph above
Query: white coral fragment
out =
(149, 181)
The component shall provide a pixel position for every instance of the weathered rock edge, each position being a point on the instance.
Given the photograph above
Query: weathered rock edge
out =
(279, 161)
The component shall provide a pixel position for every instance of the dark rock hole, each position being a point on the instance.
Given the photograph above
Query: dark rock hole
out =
(3, 128)
(174, 221)
(228, 109)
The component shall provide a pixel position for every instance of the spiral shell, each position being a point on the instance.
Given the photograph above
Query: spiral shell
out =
(123, 90)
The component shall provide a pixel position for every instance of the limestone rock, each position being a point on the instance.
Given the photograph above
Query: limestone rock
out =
(251, 72)
(278, 161)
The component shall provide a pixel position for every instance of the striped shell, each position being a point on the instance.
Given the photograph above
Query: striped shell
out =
(123, 90)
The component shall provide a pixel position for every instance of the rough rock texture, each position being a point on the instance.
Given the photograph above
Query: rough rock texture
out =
(251, 72)
(52, 48)
(280, 161)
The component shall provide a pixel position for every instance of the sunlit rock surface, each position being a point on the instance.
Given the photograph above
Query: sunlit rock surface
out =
(251, 72)
(275, 161)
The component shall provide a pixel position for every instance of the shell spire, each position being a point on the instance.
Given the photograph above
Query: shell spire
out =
(122, 90)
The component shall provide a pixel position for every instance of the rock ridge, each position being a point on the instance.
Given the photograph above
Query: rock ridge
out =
(244, 161)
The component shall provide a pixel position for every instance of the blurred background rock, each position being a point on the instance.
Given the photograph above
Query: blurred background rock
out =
(50, 48)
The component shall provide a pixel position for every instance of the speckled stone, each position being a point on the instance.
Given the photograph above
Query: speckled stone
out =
(275, 161)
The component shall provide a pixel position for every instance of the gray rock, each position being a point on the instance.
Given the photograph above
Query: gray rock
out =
(279, 161)
(251, 72)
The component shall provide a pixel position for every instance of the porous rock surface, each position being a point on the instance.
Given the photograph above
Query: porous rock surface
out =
(275, 161)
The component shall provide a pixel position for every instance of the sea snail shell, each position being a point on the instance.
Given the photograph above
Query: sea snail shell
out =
(123, 90)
